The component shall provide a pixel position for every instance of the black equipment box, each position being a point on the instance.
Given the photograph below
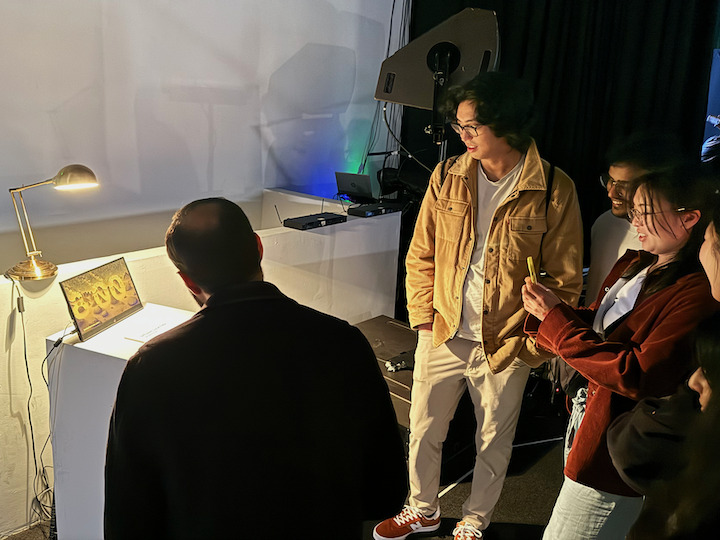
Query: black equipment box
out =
(389, 339)
(376, 209)
(313, 221)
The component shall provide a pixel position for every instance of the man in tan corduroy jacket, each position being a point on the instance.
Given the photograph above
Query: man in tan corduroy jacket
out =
(484, 213)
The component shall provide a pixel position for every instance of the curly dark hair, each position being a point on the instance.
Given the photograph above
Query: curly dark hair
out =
(502, 102)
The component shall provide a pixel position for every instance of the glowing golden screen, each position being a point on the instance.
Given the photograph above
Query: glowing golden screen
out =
(101, 297)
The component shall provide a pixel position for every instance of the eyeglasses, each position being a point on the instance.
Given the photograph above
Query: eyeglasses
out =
(640, 215)
(470, 130)
(608, 182)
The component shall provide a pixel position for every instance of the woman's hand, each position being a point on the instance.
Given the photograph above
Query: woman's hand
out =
(538, 299)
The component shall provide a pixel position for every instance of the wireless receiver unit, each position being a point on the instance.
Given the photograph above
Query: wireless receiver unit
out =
(313, 221)
(377, 209)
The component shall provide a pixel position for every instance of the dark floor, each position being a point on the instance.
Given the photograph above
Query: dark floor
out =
(525, 504)
(532, 484)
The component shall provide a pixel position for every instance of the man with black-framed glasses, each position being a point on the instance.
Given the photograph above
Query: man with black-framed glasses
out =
(612, 234)
(484, 213)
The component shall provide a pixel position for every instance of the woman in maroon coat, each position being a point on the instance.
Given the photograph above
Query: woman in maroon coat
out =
(631, 343)
(682, 501)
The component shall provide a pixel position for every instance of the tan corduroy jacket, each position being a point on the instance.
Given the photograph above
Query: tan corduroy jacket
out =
(444, 238)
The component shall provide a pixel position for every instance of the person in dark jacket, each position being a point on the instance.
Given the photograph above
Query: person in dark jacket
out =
(257, 418)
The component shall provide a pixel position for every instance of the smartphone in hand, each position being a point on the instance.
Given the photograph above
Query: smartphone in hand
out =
(531, 269)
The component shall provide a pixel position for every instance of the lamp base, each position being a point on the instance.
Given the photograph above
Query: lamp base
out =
(32, 269)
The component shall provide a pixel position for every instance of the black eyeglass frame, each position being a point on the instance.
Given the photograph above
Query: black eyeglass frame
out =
(622, 186)
(470, 130)
(633, 213)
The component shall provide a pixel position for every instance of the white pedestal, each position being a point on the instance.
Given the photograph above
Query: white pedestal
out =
(83, 379)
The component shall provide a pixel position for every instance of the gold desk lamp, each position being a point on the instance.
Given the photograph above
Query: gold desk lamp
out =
(68, 178)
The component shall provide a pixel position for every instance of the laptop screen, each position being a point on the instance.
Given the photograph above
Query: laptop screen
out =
(359, 188)
(99, 298)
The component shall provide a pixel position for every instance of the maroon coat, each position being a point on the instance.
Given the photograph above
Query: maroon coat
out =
(646, 354)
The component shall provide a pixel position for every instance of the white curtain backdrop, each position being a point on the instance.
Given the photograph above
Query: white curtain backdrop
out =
(168, 101)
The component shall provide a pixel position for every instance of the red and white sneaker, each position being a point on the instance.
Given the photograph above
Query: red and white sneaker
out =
(410, 520)
(465, 531)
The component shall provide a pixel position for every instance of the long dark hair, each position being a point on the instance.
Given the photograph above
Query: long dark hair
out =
(685, 187)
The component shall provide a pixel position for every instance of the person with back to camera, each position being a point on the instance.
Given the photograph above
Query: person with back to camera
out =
(483, 214)
(256, 418)
(669, 447)
(634, 344)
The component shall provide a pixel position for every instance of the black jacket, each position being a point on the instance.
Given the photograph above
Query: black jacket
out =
(257, 418)
(646, 444)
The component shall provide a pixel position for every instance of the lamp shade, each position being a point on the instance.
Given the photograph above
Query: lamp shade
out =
(75, 177)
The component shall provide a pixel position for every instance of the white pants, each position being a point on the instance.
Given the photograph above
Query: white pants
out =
(584, 513)
(440, 377)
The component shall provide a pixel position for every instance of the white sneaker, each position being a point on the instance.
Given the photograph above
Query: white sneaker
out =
(465, 531)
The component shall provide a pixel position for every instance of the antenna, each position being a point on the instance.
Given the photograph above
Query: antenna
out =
(278, 214)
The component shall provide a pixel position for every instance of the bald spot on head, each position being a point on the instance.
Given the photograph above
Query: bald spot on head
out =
(212, 242)
(202, 219)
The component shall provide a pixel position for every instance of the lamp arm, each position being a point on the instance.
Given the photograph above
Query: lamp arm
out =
(36, 184)
(24, 217)
(21, 225)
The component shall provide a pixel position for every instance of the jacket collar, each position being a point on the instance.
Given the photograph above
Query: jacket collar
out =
(531, 178)
(533, 173)
(243, 292)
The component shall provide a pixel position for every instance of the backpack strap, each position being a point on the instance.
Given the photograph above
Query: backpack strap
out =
(548, 193)
(551, 176)
(445, 168)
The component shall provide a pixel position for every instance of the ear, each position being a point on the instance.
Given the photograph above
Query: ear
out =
(690, 218)
(190, 284)
(259, 246)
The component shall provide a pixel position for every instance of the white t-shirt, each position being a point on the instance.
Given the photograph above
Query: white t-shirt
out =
(618, 301)
(490, 196)
(610, 238)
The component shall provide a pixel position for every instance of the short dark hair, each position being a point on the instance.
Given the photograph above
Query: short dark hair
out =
(502, 102)
(212, 242)
(649, 150)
